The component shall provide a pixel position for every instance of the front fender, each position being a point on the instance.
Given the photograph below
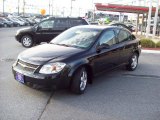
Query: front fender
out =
(77, 65)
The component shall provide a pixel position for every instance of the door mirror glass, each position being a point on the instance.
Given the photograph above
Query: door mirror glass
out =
(103, 46)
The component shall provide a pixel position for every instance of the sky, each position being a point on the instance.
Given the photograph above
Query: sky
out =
(80, 7)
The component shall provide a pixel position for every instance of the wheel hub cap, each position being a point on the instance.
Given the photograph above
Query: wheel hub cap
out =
(27, 41)
(83, 80)
(134, 61)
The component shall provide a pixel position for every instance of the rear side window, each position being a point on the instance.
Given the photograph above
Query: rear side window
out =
(122, 36)
(108, 38)
(61, 23)
(76, 22)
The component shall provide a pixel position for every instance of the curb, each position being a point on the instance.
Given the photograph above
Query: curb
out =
(150, 51)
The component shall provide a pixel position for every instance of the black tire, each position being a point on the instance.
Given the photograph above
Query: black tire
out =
(79, 81)
(133, 62)
(27, 41)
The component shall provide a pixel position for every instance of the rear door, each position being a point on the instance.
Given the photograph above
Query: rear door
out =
(61, 24)
(107, 58)
(45, 31)
(126, 44)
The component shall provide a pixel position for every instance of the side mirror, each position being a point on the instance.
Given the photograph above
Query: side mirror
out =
(39, 28)
(103, 46)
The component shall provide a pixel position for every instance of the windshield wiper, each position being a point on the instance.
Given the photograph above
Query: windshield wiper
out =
(61, 44)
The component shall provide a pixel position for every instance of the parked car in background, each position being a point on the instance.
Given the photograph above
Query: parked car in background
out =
(46, 30)
(31, 22)
(127, 26)
(1, 24)
(26, 23)
(15, 24)
(72, 58)
(21, 23)
(6, 23)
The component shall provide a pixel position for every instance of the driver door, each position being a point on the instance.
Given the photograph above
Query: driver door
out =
(45, 31)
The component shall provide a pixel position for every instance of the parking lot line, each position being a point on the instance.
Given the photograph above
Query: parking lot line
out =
(151, 51)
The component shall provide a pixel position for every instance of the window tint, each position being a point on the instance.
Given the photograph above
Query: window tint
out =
(122, 36)
(108, 38)
(47, 24)
(130, 36)
(63, 23)
(75, 22)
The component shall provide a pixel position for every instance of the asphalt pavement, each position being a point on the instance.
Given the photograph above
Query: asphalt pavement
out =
(114, 95)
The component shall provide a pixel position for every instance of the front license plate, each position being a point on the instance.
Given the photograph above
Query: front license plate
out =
(20, 77)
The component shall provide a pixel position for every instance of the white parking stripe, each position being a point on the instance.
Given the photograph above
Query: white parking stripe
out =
(151, 51)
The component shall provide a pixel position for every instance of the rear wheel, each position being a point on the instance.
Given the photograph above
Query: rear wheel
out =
(133, 62)
(79, 82)
(27, 41)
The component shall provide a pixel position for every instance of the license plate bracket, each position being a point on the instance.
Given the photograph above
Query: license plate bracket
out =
(20, 77)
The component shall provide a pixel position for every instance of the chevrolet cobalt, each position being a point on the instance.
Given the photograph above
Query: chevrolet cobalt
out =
(71, 59)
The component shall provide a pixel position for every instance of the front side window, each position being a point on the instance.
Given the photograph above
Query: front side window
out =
(108, 38)
(47, 24)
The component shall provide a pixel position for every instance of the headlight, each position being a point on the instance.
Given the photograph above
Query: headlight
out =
(52, 68)
(18, 31)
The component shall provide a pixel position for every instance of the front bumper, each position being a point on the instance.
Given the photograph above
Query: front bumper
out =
(18, 37)
(60, 80)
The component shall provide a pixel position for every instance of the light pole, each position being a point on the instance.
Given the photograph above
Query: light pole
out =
(71, 7)
(24, 3)
(155, 18)
(49, 6)
(3, 6)
(149, 19)
(79, 12)
(18, 7)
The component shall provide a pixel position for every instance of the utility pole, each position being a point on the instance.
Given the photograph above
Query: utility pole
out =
(155, 18)
(52, 7)
(18, 7)
(3, 6)
(93, 10)
(49, 6)
(71, 7)
(24, 3)
(149, 19)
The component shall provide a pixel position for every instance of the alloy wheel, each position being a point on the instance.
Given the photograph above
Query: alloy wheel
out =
(83, 81)
(134, 61)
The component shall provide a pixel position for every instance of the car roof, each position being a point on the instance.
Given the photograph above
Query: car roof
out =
(98, 27)
(65, 18)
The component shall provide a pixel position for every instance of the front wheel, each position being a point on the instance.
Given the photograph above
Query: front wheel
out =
(27, 41)
(133, 62)
(79, 81)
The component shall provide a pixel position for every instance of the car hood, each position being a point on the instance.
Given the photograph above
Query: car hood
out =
(25, 29)
(46, 52)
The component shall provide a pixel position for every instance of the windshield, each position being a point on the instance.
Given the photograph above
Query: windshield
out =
(77, 37)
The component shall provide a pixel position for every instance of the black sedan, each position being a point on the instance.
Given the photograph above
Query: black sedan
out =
(71, 59)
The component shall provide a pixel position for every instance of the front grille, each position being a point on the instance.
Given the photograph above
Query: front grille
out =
(26, 66)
